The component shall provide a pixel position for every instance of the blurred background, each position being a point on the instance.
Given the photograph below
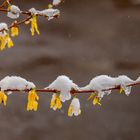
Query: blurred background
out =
(90, 38)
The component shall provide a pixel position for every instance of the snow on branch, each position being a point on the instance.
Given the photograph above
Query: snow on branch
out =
(14, 12)
(64, 89)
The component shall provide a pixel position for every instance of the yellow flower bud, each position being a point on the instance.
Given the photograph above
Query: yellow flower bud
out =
(2, 43)
(121, 90)
(55, 102)
(5, 40)
(34, 26)
(14, 31)
(50, 6)
(32, 100)
(70, 111)
(96, 101)
(3, 98)
(9, 42)
(74, 108)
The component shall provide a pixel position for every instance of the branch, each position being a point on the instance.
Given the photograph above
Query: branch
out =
(62, 88)
(73, 91)
(29, 14)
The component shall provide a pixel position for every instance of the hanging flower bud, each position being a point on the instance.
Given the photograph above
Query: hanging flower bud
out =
(2, 43)
(32, 100)
(14, 31)
(33, 20)
(13, 12)
(9, 41)
(74, 108)
(50, 6)
(34, 26)
(4, 37)
(55, 102)
(6, 40)
(3, 98)
(96, 99)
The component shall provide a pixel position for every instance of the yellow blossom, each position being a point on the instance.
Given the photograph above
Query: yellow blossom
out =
(121, 90)
(91, 96)
(50, 6)
(5, 40)
(9, 41)
(14, 31)
(74, 108)
(96, 99)
(2, 43)
(32, 100)
(3, 98)
(34, 26)
(9, 7)
(55, 102)
(70, 111)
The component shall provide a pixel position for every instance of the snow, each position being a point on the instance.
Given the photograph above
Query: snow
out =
(2, 27)
(33, 11)
(102, 82)
(64, 85)
(56, 2)
(99, 83)
(123, 81)
(15, 82)
(14, 12)
(138, 79)
(75, 104)
(50, 13)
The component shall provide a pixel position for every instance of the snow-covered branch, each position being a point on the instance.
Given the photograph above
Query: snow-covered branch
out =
(64, 89)
(14, 12)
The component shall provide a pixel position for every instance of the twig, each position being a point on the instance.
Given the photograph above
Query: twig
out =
(73, 91)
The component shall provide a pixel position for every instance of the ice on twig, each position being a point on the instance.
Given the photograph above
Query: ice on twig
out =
(99, 83)
(33, 11)
(64, 85)
(56, 2)
(14, 12)
(123, 81)
(4, 27)
(138, 79)
(15, 83)
(50, 13)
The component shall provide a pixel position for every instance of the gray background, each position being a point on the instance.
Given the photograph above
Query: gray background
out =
(90, 38)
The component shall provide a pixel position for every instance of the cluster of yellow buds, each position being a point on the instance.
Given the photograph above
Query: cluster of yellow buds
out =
(74, 108)
(32, 100)
(5, 37)
(3, 98)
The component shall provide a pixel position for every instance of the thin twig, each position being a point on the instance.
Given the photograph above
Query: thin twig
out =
(73, 91)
